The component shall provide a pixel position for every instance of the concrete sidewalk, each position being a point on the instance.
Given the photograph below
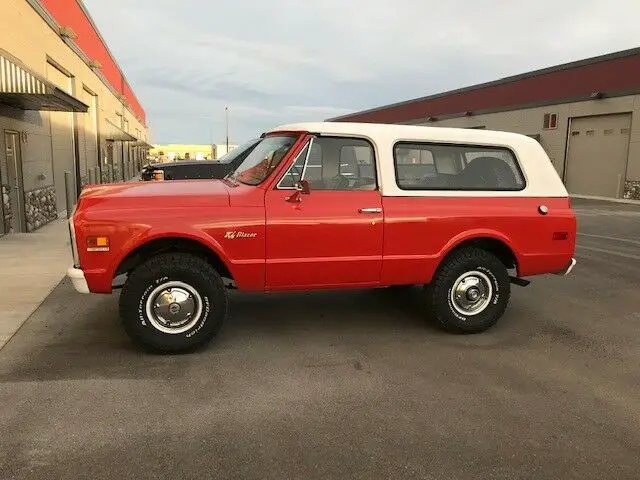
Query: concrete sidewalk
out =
(31, 265)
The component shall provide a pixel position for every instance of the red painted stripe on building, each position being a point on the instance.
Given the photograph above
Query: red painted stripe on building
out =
(68, 13)
(613, 75)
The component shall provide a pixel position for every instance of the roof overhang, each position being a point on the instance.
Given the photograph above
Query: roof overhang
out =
(114, 132)
(25, 90)
(142, 143)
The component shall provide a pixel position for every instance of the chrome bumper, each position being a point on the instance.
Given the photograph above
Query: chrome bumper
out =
(77, 278)
(567, 270)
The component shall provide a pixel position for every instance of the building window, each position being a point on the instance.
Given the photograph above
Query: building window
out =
(550, 121)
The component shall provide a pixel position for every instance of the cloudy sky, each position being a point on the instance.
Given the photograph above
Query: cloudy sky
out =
(283, 61)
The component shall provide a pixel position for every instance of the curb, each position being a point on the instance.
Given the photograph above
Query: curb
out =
(627, 201)
(26, 319)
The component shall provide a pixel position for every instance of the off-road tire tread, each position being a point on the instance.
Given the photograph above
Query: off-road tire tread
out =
(437, 291)
(165, 264)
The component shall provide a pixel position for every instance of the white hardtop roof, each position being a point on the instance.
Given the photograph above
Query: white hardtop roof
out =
(541, 178)
(415, 132)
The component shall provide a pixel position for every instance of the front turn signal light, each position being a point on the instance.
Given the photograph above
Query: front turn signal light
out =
(97, 244)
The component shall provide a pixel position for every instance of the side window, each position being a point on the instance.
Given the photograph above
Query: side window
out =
(456, 167)
(294, 174)
(334, 163)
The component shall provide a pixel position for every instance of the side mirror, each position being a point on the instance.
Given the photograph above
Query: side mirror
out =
(302, 186)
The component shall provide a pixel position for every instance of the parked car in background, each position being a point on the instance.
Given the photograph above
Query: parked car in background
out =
(198, 169)
(466, 213)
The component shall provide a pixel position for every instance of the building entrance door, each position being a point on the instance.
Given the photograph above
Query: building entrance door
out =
(14, 218)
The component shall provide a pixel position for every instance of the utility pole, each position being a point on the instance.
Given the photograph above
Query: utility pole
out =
(226, 115)
(211, 139)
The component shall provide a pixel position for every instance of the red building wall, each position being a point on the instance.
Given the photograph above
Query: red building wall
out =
(610, 75)
(68, 13)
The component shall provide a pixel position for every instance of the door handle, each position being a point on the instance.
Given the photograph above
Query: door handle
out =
(370, 210)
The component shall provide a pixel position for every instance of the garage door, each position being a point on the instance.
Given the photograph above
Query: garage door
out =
(597, 157)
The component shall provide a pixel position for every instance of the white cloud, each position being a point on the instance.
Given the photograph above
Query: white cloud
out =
(276, 62)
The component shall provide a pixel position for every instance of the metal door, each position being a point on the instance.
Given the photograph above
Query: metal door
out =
(13, 159)
(597, 157)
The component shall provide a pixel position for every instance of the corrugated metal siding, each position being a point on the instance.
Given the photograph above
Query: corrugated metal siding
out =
(14, 79)
(612, 75)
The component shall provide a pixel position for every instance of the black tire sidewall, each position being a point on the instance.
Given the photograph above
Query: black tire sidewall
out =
(485, 263)
(490, 310)
(144, 280)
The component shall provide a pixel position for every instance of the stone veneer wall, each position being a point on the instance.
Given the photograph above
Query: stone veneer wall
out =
(6, 204)
(117, 172)
(632, 190)
(40, 207)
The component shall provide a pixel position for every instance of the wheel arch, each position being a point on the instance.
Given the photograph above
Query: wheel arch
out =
(490, 241)
(172, 243)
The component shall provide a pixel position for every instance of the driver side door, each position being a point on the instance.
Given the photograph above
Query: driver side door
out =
(332, 236)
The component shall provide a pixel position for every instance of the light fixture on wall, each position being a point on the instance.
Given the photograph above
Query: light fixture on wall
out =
(68, 32)
(95, 64)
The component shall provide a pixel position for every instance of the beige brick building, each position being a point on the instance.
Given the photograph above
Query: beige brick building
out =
(65, 106)
(586, 114)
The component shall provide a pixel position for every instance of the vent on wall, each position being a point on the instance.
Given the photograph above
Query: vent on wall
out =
(550, 121)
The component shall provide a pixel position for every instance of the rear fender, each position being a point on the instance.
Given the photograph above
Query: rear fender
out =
(475, 234)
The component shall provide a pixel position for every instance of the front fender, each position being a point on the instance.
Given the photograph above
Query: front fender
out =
(150, 234)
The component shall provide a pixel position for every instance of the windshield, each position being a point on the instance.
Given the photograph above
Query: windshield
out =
(236, 152)
(264, 158)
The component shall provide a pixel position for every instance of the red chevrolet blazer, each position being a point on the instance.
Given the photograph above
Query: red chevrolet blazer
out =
(464, 212)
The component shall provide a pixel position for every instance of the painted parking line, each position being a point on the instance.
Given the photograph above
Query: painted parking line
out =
(610, 252)
(607, 237)
(609, 213)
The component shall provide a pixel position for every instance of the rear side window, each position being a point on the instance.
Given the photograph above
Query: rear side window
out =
(428, 166)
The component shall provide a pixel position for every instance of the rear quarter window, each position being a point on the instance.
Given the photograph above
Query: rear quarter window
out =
(428, 166)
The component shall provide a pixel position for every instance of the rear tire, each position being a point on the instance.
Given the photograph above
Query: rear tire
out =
(469, 292)
(173, 303)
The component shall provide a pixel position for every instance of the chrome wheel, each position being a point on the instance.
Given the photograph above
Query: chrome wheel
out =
(471, 293)
(174, 307)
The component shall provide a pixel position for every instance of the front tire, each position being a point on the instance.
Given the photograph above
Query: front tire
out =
(470, 291)
(173, 303)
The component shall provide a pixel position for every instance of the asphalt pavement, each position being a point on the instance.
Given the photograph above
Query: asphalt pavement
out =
(343, 384)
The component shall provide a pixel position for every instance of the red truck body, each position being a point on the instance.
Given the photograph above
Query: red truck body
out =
(261, 240)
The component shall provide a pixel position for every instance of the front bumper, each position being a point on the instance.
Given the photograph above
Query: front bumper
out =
(567, 270)
(77, 278)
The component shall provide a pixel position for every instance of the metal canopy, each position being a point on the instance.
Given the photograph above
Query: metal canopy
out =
(25, 90)
(114, 132)
(142, 143)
